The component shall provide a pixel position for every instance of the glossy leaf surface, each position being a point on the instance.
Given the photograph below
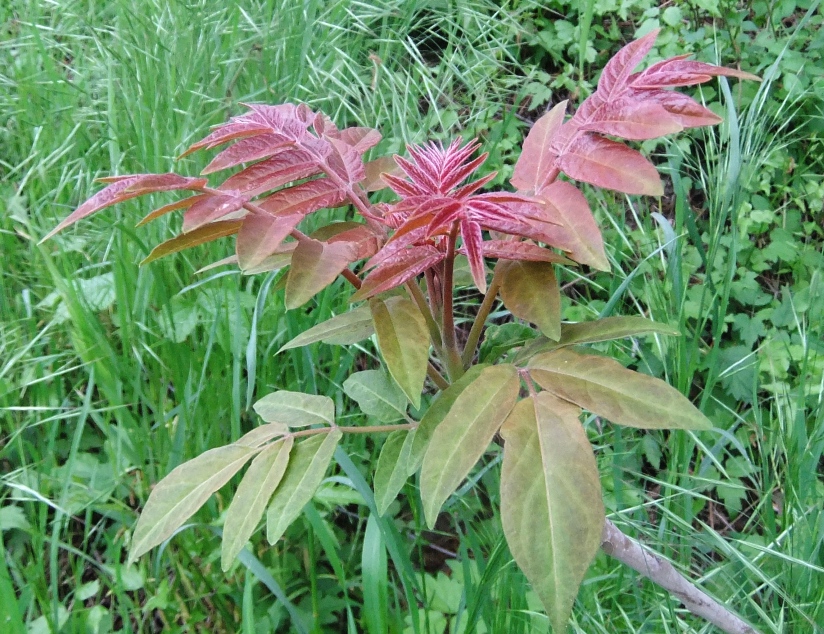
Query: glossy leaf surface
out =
(606, 388)
(464, 435)
(307, 465)
(551, 507)
(253, 493)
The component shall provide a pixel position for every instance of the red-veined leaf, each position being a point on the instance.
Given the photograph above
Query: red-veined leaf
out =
(689, 113)
(315, 265)
(209, 209)
(530, 291)
(303, 198)
(403, 340)
(617, 71)
(285, 167)
(204, 234)
(574, 230)
(473, 245)
(398, 270)
(606, 388)
(346, 162)
(678, 71)
(248, 150)
(551, 507)
(464, 435)
(537, 159)
(631, 119)
(518, 250)
(228, 132)
(184, 203)
(123, 189)
(261, 235)
(611, 165)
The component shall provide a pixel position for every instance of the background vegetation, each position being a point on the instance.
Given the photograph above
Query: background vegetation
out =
(111, 375)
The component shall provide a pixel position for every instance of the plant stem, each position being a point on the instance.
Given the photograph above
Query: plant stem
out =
(480, 318)
(651, 565)
(454, 366)
(434, 332)
(366, 429)
(437, 377)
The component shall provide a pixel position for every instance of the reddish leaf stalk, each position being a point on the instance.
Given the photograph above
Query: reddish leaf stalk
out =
(480, 319)
(454, 365)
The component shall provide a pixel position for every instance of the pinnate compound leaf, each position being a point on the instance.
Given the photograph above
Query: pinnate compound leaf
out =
(315, 265)
(610, 328)
(436, 413)
(618, 70)
(391, 273)
(575, 230)
(392, 469)
(296, 409)
(523, 251)
(284, 167)
(210, 208)
(606, 388)
(465, 433)
(530, 291)
(303, 198)
(307, 465)
(376, 394)
(403, 340)
(181, 493)
(611, 165)
(632, 119)
(206, 233)
(537, 160)
(551, 507)
(342, 330)
(253, 493)
(124, 188)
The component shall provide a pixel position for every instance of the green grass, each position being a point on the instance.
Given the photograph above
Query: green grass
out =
(111, 375)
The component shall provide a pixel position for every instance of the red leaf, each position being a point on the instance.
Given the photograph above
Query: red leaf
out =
(523, 251)
(612, 165)
(304, 198)
(206, 233)
(228, 132)
(261, 235)
(577, 232)
(633, 119)
(398, 270)
(209, 209)
(248, 150)
(345, 162)
(363, 241)
(537, 158)
(677, 71)
(473, 245)
(361, 139)
(689, 113)
(286, 166)
(614, 78)
(123, 189)
(184, 203)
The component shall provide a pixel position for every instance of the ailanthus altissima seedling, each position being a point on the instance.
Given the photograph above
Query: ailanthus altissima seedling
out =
(296, 162)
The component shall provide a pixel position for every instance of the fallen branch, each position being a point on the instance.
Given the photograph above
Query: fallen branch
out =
(628, 551)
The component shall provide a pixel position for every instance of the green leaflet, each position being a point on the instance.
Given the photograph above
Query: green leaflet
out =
(307, 466)
(296, 409)
(261, 435)
(530, 291)
(345, 329)
(436, 413)
(253, 493)
(403, 339)
(606, 388)
(181, 493)
(465, 433)
(376, 395)
(551, 506)
(315, 265)
(392, 469)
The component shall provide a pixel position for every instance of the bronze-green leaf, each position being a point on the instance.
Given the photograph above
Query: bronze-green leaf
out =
(263, 434)
(201, 235)
(610, 328)
(253, 493)
(296, 409)
(342, 330)
(181, 493)
(436, 413)
(551, 507)
(530, 291)
(315, 265)
(376, 394)
(403, 339)
(307, 465)
(606, 388)
(465, 433)
(392, 469)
